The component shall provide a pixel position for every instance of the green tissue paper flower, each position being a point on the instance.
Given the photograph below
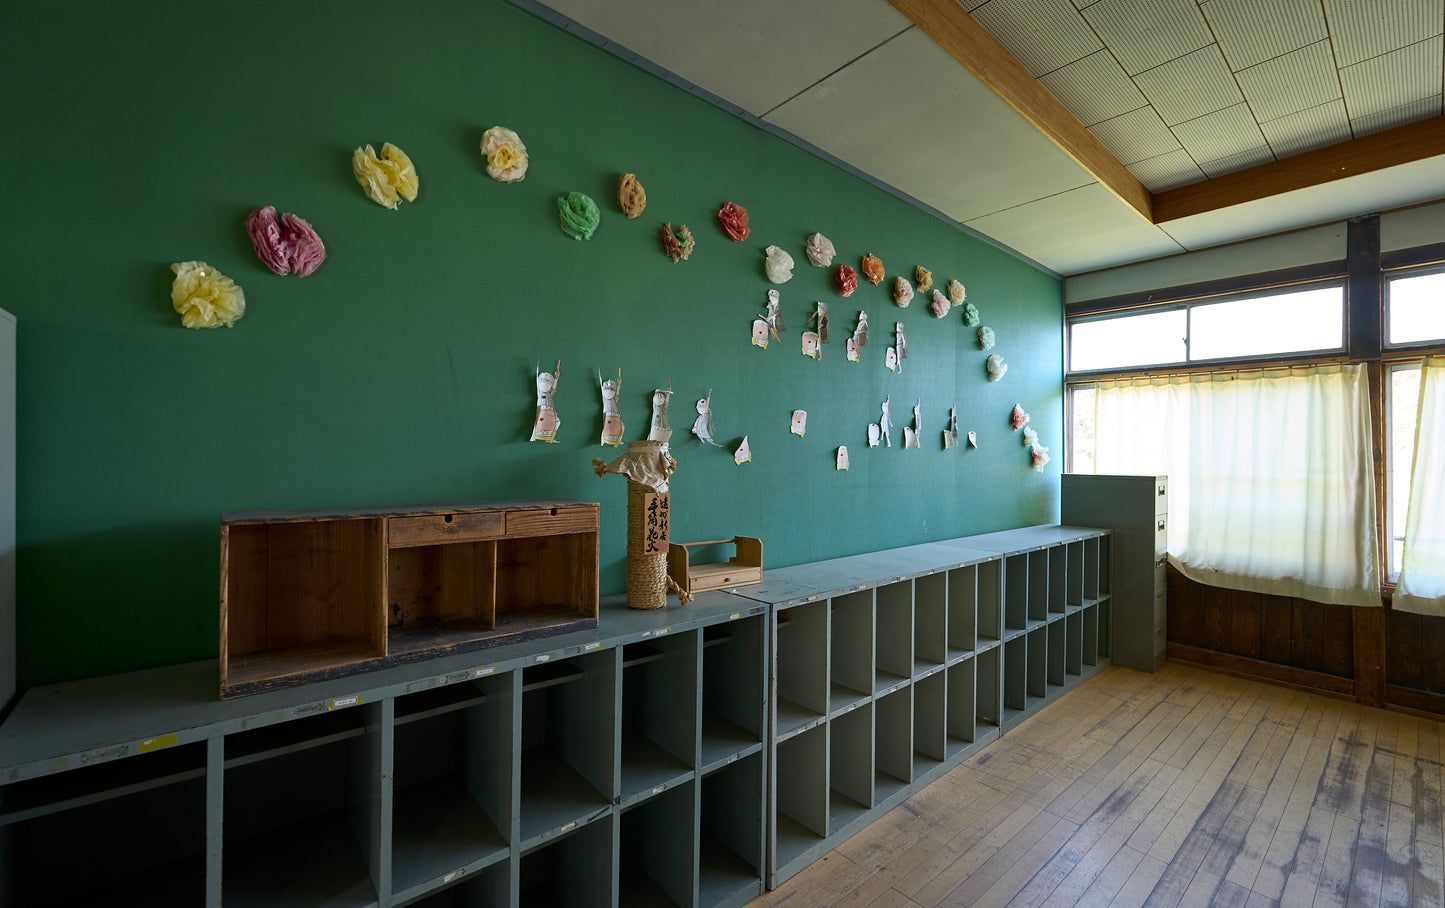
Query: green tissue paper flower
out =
(970, 315)
(579, 215)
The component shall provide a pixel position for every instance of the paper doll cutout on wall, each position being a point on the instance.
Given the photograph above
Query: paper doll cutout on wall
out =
(950, 435)
(885, 424)
(774, 318)
(873, 435)
(810, 345)
(819, 319)
(850, 347)
(973, 439)
(901, 342)
(760, 333)
(612, 427)
(842, 457)
(902, 292)
(702, 426)
(996, 367)
(911, 433)
(778, 265)
(660, 430)
(545, 426)
(743, 454)
(860, 331)
(890, 359)
(799, 423)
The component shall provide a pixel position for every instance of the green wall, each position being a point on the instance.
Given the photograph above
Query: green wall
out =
(402, 371)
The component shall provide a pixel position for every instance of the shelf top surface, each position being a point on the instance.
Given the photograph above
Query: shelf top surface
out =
(282, 515)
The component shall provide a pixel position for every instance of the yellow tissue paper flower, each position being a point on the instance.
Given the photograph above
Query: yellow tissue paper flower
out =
(387, 178)
(506, 155)
(204, 297)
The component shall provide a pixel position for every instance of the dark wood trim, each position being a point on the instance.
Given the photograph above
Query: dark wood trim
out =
(1369, 655)
(1242, 366)
(1431, 254)
(1259, 670)
(1401, 145)
(1248, 283)
(1416, 701)
(1365, 325)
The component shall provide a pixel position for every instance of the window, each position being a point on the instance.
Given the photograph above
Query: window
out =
(1403, 401)
(1416, 308)
(1300, 321)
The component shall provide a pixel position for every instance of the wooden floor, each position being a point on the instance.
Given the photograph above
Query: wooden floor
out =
(1179, 788)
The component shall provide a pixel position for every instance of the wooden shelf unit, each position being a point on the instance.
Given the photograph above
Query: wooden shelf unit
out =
(308, 595)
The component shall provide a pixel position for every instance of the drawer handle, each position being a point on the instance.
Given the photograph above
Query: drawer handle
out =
(1161, 524)
(1161, 491)
(1160, 562)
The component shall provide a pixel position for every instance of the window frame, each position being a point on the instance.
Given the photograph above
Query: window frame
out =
(1389, 276)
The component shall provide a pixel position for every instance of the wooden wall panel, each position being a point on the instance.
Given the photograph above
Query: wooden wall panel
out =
(1404, 649)
(1247, 634)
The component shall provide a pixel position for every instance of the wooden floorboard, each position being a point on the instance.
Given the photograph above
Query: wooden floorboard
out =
(1180, 788)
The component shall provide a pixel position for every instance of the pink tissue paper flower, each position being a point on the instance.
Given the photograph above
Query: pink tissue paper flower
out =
(285, 246)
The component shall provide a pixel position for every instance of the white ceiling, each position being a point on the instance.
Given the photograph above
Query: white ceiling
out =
(1178, 90)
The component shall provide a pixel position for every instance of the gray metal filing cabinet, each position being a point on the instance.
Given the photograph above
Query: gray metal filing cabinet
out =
(1136, 508)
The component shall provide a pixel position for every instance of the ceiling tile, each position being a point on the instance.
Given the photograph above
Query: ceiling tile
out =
(972, 5)
(1362, 29)
(1241, 161)
(1079, 230)
(753, 53)
(1308, 129)
(1043, 35)
(1146, 33)
(1220, 134)
(1422, 109)
(1167, 171)
(1191, 86)
(1252, 31)
(1094, 88)
(1394, 79)
(1135, 136)
(932, 130)
(1292, 82)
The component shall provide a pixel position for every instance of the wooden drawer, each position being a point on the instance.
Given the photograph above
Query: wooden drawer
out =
(435, 529)
(551, 521)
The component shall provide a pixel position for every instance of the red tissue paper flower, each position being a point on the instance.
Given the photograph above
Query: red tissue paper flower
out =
(847, 280)
(734, 221)
(285, 246)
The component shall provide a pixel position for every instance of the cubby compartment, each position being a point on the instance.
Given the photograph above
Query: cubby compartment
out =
(963, 711)
(322, 797)
(1058, 578)
(730, 870)
(1074, 570)
(800, 667)
(490, 887)
(1038, 594)
(1037, 669)
(894, 629)
(851, 667)
(135, 826)
(893, 747)
(800, 795)
(1089, 630)
(1015, 678)
(440, 589)
(964, 629)
(657, 849)
(659, 713)
(930, 722)
(569, 742)
(930, 622)
(576, 870)
(989, 601)
(1057, 640)
(988, 690)
(1074, 644)
(850, 766)
(453, 766)
(1016, 593)
(733, 691)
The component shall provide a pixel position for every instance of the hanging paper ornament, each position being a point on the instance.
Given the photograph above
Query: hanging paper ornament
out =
(290, 245)
(973, 439)
(774, 318)
(847, 280)
(778, 265)
(578, 214)
(506, 155)
(798, 425)
(842, 459)
(734, 221)
(902, 292)
(677, 244)
(885, 423)
(743, 454)
(612, 427)
(923, 278)
(938, 305)
(204, 297)
(819, 320)
(985, 337)
(387, 178)
(956, 293)
(996, 367)
(970, 315)
(702, 426)
(871, 267)
(631, 197)
(547, 422)
(820, 250)
(811, 348)
(1017, 418)
(1038, 456)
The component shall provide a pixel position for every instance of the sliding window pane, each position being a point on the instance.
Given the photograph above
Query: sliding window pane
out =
(1404, 404)
(1081, 432)
(1290, 323)
(1417, 308)
(1133, 340)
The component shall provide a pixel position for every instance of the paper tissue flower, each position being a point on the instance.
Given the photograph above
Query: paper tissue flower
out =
(938, 305)
(923, 278)
(287, 246)
(996, 367)
(970, 315)
(387, 178)
(204, 297)
(631, 197)
(779, 265)
(578, 214)
(1038, 456)
(820, 250)
(956, 293)
(1031, 436)
(847, 280)
(902, 292)
(734, 221)
(985, 337)
(1017, 418)
(678, 244)
(871, 268)
(506, 155)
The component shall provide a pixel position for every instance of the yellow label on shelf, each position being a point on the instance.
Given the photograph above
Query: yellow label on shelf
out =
(483, 672)
(661, 630)
(590, 647)
(451, 876)
(150, 744)
(567, 827)
(735, 616)
(343, 702)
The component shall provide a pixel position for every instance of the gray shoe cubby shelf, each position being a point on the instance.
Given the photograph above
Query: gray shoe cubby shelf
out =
(683, 756)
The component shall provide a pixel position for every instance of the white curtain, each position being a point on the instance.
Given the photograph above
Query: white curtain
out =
(1422, 572)
(1271, 483)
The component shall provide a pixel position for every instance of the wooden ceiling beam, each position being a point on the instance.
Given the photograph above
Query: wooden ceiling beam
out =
(1391, 148)
(954, 30)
